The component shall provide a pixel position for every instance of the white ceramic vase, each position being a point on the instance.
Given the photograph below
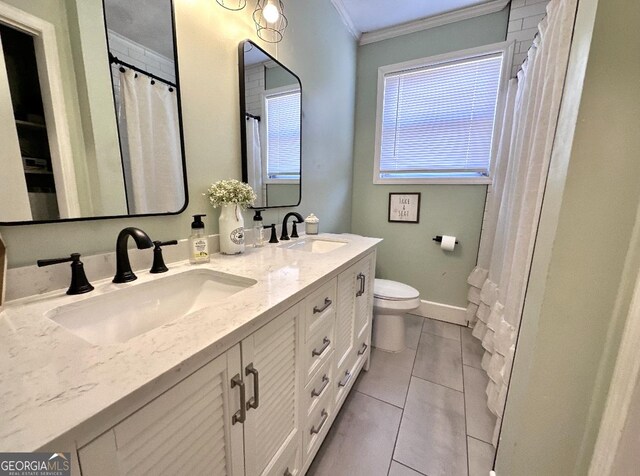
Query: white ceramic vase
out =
(231, 229)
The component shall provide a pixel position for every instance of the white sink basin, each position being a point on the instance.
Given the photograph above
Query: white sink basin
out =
(314, 245)
(138, 308)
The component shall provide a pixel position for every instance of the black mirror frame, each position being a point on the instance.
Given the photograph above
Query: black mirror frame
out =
(180, 127)
(243, 123)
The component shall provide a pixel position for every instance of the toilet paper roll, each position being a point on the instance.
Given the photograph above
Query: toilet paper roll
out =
(448, 243)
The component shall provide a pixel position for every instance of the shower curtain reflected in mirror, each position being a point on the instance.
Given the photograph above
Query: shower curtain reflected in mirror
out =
(150, 142)
(255, 164)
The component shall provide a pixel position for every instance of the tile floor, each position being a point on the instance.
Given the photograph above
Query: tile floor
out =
(419, 412)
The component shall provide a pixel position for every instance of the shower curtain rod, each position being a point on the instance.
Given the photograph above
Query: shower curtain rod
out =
(115, 60)
(247, 115)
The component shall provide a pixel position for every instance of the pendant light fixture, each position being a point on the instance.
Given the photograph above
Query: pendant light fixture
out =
(233, 5)
(270, 20)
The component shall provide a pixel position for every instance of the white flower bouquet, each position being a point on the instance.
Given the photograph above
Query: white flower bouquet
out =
(231, 191)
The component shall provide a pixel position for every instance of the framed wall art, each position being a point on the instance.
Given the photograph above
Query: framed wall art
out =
(404, 207)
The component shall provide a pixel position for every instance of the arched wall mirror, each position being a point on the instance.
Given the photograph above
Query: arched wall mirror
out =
(271, 128)
(89, 111)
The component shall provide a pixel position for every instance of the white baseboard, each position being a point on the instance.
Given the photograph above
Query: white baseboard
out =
(442, 312)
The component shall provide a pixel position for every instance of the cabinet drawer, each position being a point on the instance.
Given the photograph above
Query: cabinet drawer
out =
(319, 308)
(318, 387)
(317, 425)
(318, 349)
(343, 381)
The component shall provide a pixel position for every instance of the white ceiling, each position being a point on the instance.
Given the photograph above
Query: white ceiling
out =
(147, 22)
(371, 15)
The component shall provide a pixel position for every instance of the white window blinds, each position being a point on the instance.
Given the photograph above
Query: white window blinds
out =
(283, 135)
(438, 120)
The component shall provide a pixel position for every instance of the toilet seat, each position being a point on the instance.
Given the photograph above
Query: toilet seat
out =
(387, 290)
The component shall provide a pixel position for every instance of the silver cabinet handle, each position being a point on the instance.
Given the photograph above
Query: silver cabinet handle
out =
(345, 381)
(364, 349)
(241, 415)
(326, 343)
(325, 382)
(362, 278)
(315, 430)
(287, 472)
(254, 402)
(327, 303)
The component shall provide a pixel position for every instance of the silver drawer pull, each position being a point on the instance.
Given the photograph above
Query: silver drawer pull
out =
(315, 430)
(287, 472)
(364, 349)
(241, 415)
(345, 381)
(363, 279)
(326, 343)
(254, 402)
(327, 303)
(325, 382)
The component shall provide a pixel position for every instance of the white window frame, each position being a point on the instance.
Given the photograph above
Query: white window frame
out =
(506, 48)
(263, 134)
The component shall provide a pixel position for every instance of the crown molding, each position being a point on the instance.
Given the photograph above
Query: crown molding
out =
(431, 22)
(346, 19)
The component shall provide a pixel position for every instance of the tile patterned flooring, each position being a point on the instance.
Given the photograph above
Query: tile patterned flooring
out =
(419, 412)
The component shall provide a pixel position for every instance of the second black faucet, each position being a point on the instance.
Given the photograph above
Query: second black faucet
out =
(294, 233)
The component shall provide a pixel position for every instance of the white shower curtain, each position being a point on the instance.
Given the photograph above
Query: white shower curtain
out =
(254, 162)
(498, 283)
(150, 135)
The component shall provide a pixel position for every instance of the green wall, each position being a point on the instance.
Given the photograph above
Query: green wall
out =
(407, 253)
(316, 46)
(278, 77)
(586, 258)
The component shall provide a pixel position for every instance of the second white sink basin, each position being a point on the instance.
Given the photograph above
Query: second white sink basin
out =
(314, 245)
(138, 308)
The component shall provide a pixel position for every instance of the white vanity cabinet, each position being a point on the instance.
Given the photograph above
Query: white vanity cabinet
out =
(263, 407)
(234, 416)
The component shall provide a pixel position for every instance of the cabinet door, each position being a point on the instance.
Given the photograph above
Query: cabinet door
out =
(345, 309)
(186, 430)
(365, 272)
(270, 357)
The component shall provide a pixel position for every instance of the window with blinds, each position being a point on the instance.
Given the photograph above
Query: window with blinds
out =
(282, 111)
(437, 120)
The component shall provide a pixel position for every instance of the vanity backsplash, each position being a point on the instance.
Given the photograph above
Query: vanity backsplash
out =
(31, 280)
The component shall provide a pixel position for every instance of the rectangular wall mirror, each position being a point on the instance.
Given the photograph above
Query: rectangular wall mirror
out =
(89, 110)
(271, 128)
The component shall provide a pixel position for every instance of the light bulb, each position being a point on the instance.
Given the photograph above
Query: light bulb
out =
(270, 13)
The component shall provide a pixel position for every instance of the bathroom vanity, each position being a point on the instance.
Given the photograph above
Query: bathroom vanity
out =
(248, 383)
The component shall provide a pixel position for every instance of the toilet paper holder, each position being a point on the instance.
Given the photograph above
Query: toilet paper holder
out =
(438, 238)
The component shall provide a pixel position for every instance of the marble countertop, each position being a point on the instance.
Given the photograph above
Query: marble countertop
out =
(52, 381)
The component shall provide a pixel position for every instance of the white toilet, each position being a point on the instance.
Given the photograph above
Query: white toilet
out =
(391, 301)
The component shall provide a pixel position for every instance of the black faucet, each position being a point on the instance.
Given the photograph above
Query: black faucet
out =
(79, 282)
(294, 233)
(123, 267)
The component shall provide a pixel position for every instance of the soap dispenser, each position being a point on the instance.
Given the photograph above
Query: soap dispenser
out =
(198, 242)
(258, 233)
